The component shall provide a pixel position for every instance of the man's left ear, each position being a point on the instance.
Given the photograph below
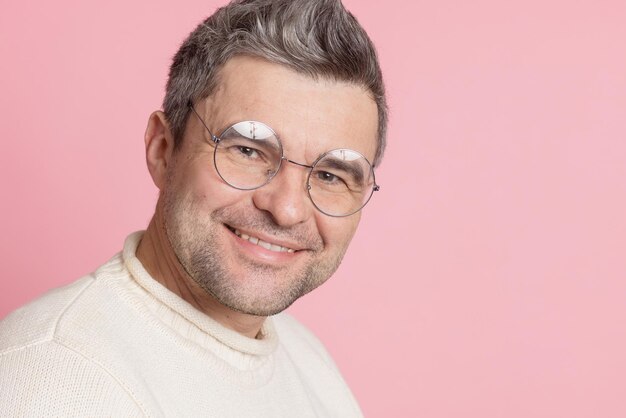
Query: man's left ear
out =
(159, 147)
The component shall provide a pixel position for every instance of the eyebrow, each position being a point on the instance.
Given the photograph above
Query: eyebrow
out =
(263, 144)
(353, 169)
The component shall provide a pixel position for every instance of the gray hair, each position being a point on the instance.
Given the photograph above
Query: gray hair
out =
(319, 38)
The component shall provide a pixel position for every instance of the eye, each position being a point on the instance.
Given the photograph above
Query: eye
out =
(248, 152)
(327, 177)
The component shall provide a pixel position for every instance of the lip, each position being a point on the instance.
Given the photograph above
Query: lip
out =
(256, 251)
(272, 240)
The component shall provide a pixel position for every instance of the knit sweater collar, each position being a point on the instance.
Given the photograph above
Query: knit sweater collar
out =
(188, 320)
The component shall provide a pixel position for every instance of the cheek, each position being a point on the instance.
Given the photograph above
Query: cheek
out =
(202, 183)
(337, 232)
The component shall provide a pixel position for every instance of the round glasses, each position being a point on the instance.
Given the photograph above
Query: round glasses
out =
(248, 154)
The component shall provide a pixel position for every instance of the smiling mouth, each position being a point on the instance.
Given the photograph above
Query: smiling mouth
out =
(254, 240)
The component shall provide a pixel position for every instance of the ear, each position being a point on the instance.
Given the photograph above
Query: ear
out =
(159, 148)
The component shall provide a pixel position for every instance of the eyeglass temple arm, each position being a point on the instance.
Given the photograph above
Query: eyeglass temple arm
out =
(376, 186)
(193, 109)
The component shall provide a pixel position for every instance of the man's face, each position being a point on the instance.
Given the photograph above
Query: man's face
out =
(208, 222)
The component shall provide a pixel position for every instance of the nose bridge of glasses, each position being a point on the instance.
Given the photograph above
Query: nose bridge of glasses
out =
(308, 167)
(288, 192)
(297, 163)
(281, 166)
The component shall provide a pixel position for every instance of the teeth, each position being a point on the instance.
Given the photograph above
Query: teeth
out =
(266, 245)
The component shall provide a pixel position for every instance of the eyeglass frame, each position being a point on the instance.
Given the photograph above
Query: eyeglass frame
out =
(216, 140)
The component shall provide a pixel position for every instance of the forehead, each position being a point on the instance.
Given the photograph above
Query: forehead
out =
(310, 116)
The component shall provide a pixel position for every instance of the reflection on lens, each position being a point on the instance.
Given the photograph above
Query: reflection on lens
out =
(248, 155)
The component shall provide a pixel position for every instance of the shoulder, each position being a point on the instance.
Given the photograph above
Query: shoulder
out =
(62, 308)
(42, 373)
(36, 322)
(49, 379)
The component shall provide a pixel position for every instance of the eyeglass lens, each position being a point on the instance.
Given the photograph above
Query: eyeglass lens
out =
(248, 155)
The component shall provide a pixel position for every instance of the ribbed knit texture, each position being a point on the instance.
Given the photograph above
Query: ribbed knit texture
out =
(118, 343)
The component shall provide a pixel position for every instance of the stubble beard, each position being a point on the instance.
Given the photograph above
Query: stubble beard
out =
(194, 237)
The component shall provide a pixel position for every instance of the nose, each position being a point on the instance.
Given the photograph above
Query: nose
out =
(286, 198)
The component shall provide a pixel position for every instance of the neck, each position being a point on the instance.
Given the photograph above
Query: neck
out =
(160, 261)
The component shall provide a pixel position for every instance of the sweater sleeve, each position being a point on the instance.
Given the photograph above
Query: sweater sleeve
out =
(49, 379)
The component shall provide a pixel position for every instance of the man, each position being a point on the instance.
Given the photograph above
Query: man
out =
(273, 112)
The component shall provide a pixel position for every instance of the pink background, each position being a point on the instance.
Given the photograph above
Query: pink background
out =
(488, 278)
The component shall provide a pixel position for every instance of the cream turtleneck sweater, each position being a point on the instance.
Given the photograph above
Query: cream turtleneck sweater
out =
(118, 343)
